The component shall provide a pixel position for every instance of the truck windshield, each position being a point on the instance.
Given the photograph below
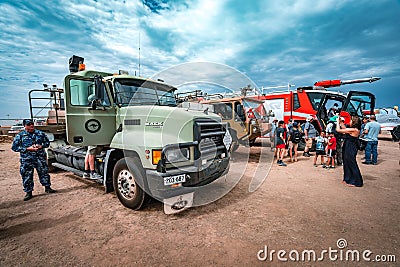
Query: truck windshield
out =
(129, 92)
(255, 107)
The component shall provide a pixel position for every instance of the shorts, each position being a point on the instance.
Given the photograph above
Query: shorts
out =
(281, 146)
(309, 142)
(331, 153)
(320, 152)
(293, 145)
(94, 150)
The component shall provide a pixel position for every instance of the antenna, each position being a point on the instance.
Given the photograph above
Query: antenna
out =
(139, 54)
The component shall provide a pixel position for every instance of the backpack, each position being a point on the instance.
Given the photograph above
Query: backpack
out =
(296, 136)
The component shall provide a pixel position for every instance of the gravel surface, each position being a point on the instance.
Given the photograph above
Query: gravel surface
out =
(295, 208)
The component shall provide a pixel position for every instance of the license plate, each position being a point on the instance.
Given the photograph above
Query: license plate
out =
(176, 179)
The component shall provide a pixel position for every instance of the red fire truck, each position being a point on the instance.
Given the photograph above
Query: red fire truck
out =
(316, 101)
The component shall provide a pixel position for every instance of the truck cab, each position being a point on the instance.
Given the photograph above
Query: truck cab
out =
(150, 147)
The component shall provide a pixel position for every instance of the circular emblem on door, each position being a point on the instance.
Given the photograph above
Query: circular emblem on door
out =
(92, 126)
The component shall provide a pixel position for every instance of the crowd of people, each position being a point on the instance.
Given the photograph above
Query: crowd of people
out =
(337, 145)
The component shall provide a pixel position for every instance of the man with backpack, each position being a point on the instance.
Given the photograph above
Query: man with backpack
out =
(294, 140)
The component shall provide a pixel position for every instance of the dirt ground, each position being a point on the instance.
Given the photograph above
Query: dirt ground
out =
(296, 208)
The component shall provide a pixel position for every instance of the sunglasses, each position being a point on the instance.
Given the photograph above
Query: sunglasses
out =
(29, 124)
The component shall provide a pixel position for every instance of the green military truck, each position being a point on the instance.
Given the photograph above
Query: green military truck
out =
(150, 147)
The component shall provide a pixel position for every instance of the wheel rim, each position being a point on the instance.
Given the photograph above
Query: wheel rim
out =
(126, 184)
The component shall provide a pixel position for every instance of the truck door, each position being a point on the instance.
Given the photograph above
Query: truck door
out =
(240, 120)
(90, 113)
(325, 104)
(359, 103)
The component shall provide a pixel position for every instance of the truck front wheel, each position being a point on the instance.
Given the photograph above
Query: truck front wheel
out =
(125, 175)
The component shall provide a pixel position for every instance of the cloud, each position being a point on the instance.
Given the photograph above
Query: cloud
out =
(272, 42)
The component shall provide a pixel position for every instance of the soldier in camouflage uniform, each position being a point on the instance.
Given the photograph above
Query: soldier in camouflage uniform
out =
(31, 143)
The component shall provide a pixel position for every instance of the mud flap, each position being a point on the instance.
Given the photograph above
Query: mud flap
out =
(178, 203)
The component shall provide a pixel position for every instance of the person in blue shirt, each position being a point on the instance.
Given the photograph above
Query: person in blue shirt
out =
(321, 142)
(30, 143)
(371, 132)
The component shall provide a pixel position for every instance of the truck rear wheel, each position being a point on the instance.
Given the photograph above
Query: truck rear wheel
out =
(125, 175)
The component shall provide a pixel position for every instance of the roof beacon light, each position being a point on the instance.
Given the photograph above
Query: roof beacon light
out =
(76, 64)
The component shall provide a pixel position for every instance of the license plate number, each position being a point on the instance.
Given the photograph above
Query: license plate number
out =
(176, 179)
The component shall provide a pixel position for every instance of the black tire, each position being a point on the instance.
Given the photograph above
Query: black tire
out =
(125, 182)
(50, 165)
(252, 142)
(395, 133)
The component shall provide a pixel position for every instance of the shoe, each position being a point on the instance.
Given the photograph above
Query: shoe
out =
(324, 166)
(49, 190)
(306, 155)
(374, 163)
(315, 165)
(95, 176)
(282, 164)
(366, 163)
(86, 175)
(332, 167)
(28, 196)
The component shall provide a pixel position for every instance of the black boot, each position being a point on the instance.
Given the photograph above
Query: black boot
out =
(49, 190)
(28, 196)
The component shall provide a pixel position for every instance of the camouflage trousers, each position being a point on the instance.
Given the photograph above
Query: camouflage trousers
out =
(26, 170)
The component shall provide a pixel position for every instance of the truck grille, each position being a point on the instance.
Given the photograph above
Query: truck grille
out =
(209, 134)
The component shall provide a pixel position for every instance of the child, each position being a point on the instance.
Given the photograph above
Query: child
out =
(331, 151)
(294, 140)
(320, 149)
(280, 143)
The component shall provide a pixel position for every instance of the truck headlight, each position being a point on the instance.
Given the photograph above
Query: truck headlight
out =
(177, 154)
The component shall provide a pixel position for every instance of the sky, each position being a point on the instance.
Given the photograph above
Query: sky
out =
(272, 43)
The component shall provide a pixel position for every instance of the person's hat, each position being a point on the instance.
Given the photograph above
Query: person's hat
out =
(275, 119)
(334, 118)
(26, 121)
(295, 124)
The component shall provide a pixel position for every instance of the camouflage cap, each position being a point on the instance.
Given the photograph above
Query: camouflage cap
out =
(26, 121)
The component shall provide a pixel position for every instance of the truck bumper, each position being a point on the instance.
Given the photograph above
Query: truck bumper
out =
(194, 178)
